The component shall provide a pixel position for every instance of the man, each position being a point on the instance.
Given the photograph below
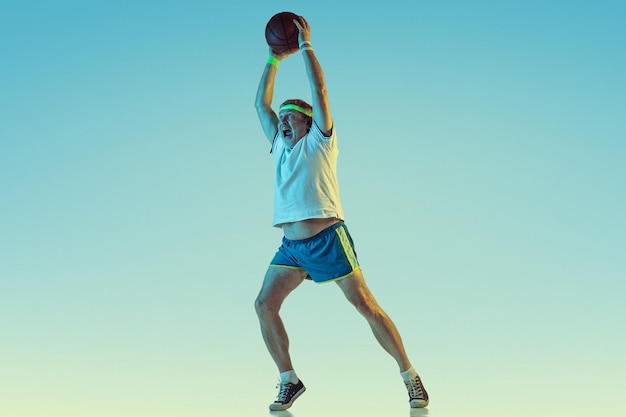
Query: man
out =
(316, 243)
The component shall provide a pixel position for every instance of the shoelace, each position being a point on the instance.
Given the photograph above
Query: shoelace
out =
(283, 393)
(415, 388)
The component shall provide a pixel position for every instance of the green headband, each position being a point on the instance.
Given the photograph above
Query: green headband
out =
(296, 108)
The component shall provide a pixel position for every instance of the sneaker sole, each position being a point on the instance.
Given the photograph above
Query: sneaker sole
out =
(418, 403)
(283, 407)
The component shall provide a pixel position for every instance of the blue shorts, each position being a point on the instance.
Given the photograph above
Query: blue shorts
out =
(327, 256)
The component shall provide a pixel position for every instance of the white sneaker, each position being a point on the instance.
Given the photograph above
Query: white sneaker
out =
(287, 394)
(418, 397)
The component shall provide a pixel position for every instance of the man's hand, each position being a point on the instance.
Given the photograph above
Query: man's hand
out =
(304, 30)
(281, 55)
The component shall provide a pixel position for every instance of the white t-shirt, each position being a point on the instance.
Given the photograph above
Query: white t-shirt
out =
(306, 185)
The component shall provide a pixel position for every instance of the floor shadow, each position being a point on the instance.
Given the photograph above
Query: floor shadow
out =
(419, 412)
(281, 413)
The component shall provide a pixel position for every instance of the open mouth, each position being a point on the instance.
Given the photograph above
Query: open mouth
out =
(287, 133)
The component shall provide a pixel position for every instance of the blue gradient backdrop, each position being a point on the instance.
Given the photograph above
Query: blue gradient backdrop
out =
(482, 165)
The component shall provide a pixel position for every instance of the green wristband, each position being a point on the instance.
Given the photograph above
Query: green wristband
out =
(272, 60)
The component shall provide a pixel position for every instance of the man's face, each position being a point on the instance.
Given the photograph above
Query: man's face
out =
(292, 126)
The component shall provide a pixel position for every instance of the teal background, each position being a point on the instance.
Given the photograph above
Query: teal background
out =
(482, 166)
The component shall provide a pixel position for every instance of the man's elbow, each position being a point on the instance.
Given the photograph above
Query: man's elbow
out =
(261, 108)
(320, 92)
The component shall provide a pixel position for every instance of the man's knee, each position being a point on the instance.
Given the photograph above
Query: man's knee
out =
(260, 306)
(264, 306)
(367, 307)
(277, 285)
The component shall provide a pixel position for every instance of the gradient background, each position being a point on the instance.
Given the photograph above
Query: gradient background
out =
(482, 165)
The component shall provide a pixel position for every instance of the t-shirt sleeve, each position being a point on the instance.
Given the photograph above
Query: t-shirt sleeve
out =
(274, 143)
(317, 134)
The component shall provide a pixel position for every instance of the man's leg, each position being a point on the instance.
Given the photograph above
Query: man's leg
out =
(277, 285)
(385, 331)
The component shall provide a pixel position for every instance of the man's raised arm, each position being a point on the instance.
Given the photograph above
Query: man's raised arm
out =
(321, 108)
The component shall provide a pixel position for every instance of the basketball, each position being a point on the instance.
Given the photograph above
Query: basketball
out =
(281, 33)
